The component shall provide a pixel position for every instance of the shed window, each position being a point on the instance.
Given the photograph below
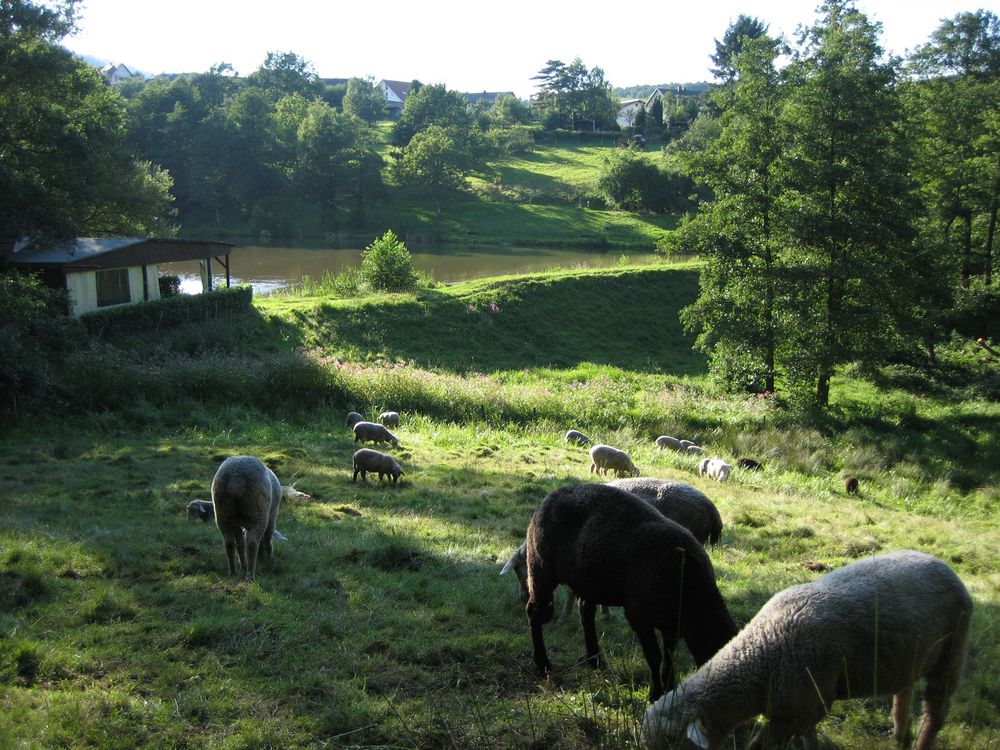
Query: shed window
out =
(112, 287)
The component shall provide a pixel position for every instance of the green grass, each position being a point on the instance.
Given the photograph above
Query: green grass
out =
(382, 621)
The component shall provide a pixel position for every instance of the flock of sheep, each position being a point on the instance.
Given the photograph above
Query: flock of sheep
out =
(873, 627)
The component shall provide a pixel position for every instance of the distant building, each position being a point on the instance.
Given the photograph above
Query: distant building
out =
(628, 109)
(115, 73)
(486, 98)
(395, 93)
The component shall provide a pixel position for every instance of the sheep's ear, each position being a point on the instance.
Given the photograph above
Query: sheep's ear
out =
(696, 733)
(509, 565)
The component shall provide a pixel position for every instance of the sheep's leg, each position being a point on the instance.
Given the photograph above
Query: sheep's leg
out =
(250, 566)
(229, 540)
(537, 615)
(667, 674)
(587, 611)
(937, 696)
(901, 703)
(646, 634)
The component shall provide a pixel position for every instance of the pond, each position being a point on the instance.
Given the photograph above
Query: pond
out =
(271, 268)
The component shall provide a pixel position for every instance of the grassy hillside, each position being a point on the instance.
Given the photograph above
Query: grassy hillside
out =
(383, 622)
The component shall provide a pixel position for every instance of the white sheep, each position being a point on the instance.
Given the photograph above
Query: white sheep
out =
(575, 436)
(246, 496)
(666, 441)
(204, 510)
(604, 457)
(366, 460)
(714, 468)
(375, 433)
(874, 627)
(389, 418)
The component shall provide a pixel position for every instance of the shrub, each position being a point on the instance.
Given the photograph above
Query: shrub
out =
(170, 285)
(387, 265)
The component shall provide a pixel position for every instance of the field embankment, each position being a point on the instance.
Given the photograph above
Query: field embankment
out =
(383, 622)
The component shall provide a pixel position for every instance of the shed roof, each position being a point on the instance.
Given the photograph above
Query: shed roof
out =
(112, 252)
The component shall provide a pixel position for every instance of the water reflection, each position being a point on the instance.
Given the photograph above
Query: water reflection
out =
(269, 269)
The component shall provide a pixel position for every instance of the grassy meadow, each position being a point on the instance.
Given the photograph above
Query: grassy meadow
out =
(383, 622)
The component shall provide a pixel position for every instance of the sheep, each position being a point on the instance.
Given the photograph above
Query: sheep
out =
(749, 464)
(353, 418)
(695, 450)
(666, 441)
(604, 457)
(366, 460)
(575, 436)
(389, 418)
(246, 496)
(685, 444)
(714, 468)
(851, 485)
(874, 627)
(518, 562)
(375, 433)
(679, 502)
(612, 548)
(201, 510)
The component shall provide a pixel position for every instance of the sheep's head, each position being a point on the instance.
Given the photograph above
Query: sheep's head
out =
(291, 493)
(671, 717)
(518, 562)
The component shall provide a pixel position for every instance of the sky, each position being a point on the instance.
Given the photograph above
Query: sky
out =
(466, 45)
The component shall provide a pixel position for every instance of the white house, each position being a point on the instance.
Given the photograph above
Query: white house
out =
(627, 112)
(101, 272)
(115, 73)
(395, 93)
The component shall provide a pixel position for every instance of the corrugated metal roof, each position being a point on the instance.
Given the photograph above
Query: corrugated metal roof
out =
(112, 252)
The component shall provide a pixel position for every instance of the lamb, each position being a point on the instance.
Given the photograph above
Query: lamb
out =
(375, 433)
(353, 418)
(679, 502)
(714, 468)
(366, 460)
(666, 441)
(389, 418)
(204, 510)
(695, 450)
(575, 436)
(749, 464)
(246, 496)
(612, 548)
(604, 457)
(874, 627)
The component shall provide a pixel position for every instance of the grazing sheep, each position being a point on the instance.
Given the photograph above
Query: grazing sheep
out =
(366, 460)
(389, 418)
(612, 548)
(246, 496)
(201, 510)
(679, 502)
(604, 457)
(695, 450)
(665, 441)
(685, 444)
(714, 468)
(575, 436)
(353, 418)
(851, 485)
(874, 627)
(375, 433)
(749, 464)
(518, 562)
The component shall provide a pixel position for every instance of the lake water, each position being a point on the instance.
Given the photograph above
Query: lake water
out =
(271, 268)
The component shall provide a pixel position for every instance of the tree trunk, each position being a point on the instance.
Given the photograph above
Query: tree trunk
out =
(967, 251)
(990, 234)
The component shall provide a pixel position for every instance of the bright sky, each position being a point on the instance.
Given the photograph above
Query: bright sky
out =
(467, 45)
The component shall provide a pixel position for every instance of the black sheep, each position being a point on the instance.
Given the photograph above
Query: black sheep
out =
(612, 548)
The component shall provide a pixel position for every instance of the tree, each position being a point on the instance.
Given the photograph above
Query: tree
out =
(956, 103)
(738, 312)
(508, 111)
(364, 100)
(570, 93)
(387, 265)
(848, 202)
(434, 162)
(740, 31)
(66, 168)
(433, 105)
(284, 73)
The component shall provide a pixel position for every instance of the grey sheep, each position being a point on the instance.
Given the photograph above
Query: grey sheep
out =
(575, 436)
(204, 510)
(518, 562)
(373, 432)
(679, 502)
(353, 418)
(685, 444)
(366, 460)
(612, 548)
(604, 457)
(389, 418)
(695, 450)
(666, 441)
(246, 496)
(874, 627)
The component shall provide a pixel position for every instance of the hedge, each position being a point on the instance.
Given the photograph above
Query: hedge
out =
(171, 311)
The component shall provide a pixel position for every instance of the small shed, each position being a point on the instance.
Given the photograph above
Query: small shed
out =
(100, 272)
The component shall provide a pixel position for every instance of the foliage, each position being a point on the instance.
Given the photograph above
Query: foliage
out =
(432, 105)
(67, 170)
(508, 111)
(435, 161)
(744, 29)
(629, 181)
(170, 285)
(387, 265)
(166, 312)
(976, 312)
(364, 100)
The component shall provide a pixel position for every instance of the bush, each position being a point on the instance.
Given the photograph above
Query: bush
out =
(170, 285)
(976, 312)
(387, 265)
